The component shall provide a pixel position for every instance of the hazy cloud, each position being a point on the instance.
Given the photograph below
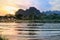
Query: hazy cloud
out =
(55, 4)
(27, 3)
(42, 5)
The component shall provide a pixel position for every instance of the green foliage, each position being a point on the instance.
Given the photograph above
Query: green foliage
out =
(30, 14)
(3, 38)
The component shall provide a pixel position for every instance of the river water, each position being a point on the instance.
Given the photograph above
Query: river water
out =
(29, 31)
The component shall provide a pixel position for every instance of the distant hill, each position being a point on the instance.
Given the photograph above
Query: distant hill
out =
(51, 12)
(28, 11)
(34, 14)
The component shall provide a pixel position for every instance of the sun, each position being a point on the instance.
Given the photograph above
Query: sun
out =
(10, 9)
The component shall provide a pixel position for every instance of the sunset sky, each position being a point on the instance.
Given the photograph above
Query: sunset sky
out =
(11, 6)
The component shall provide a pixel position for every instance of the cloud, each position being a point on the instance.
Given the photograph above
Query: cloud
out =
(27, 3)
(55, 4)
(42, 5)
(23, 3)
(7, 3)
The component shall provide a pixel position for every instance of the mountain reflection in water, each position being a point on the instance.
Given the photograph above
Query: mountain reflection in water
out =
(29, 31)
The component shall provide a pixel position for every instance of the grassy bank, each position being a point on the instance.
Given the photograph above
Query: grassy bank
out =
(30, 21)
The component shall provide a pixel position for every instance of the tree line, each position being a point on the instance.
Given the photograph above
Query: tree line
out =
(31, 14)
(34, 14)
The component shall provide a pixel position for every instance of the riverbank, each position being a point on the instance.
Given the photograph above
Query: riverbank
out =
(30, 21)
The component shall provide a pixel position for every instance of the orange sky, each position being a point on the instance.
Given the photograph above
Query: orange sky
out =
(11, 6)
(7, 7)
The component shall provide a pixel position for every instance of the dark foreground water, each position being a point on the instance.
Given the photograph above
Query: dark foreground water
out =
(30, 31)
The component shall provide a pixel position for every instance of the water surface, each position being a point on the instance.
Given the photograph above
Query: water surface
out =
(27, 31)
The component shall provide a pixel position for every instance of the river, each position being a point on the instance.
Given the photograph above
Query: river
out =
(29, 31)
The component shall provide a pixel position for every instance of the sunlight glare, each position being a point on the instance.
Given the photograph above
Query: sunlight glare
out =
(10, 9)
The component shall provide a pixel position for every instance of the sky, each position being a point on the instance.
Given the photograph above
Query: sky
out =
(42, 5)
(6, 6)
